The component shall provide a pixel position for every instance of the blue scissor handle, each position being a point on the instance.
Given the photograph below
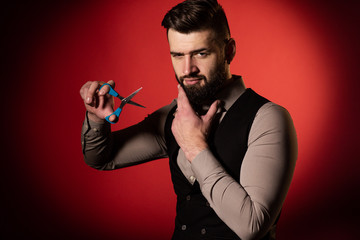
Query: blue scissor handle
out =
(117, 112)
(112, 92)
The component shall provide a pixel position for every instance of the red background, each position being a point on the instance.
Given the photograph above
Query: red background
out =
(303, 55)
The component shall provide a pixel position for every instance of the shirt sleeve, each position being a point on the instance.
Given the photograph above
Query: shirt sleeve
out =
(106, 150)
(251, 207)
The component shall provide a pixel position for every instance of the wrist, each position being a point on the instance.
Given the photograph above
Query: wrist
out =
(191, 154)
(92, 117)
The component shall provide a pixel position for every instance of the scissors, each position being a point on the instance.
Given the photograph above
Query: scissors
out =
(124, 101)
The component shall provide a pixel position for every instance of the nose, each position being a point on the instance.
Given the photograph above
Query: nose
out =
(190, 66)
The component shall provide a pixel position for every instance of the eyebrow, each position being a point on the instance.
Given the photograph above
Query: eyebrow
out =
(192, 52)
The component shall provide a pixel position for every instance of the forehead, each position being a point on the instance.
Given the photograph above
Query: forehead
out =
(187, 42)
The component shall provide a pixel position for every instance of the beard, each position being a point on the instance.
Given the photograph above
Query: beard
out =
(200, 96)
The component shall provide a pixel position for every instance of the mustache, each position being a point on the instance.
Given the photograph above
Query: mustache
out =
(182, 78)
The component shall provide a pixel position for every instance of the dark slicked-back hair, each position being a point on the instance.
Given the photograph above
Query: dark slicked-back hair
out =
(196, 15)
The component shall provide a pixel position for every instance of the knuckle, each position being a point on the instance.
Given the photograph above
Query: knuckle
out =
(112, 83)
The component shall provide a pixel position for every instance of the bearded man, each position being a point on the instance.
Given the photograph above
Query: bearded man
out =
(232, 152)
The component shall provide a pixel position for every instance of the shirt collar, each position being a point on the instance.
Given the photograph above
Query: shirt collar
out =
(231, 92)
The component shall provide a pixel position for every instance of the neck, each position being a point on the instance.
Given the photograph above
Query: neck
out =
(229, 79)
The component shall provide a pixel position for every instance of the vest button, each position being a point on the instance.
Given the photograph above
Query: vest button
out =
(183, 227)
(188, 197)
(203, 231)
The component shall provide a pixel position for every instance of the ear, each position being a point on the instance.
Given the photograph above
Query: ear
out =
(230, 50)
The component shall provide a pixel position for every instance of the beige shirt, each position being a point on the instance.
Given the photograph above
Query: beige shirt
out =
(249, 205)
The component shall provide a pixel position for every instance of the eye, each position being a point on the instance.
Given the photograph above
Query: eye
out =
(176, 55)
(202, 54)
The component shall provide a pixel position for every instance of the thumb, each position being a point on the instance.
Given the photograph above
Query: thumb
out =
(211, 112)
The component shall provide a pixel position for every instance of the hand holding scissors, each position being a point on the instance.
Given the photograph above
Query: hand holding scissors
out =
(124, 101)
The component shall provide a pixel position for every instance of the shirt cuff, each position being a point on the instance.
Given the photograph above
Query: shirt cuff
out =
(206, 168)
(92, 131)
(91, 128)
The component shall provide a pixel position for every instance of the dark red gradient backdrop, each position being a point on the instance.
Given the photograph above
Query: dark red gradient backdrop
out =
(303, 55)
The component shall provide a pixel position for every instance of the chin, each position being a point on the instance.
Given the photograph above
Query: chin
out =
(197, 85)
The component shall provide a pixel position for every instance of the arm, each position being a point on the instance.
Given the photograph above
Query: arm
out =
(251, 207)
(106, 150)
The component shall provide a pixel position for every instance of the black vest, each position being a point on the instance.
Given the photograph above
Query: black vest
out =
(195, 219)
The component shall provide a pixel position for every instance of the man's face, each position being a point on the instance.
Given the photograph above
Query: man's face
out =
(199, 64)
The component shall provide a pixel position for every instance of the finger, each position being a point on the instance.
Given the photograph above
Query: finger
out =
(112, 83)
(212, 111)
(112, 118)
(105, 99)
(84, 89)
(182, 101)
(104, 90)
(90, 95)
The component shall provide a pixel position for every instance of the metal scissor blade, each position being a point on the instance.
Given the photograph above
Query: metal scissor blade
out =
(128, 98)
(135, 104)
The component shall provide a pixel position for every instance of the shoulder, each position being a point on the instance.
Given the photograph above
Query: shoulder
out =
(272, 112)
(270, 119)
(157, 119)
(164, 111)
